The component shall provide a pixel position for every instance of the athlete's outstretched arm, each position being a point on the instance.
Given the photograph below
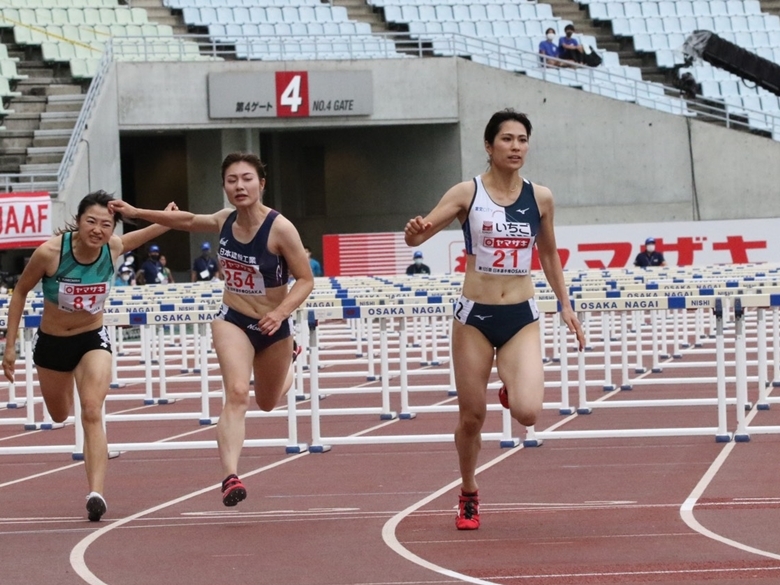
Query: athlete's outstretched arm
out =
(453, 205)
(177, 220)
(137, 238)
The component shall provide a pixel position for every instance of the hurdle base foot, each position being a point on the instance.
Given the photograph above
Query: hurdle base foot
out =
(556, 360)
(565, 411)
(113, 385)
(588, 348)
(407, 415)
(30, 427)
(452, 392)
(372, 378)
(533, 443)
(77, 456)
(677, 356)
(184, 371)
(665, 356)
(723, 438)
(609, 388)
(741, 438)
(166, 401)
(748, 406)
(626, 387)
(148, 401)
(697, 345)
(14, 405)
(685, 345)
(762, 406)
(640, 370)
(204, 422)
(437, 363)
(546, 360)
(388, 416)
(319, 448)
(587, 410)
(299, 448)
(196, 370)
(302, 397)
(509, 444)
(657, 370)
(776, 384)
(51, 426)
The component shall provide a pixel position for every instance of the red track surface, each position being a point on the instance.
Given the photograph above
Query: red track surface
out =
(599, 511)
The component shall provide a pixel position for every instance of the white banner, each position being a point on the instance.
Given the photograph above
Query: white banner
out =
(685, 243)
(25, 219)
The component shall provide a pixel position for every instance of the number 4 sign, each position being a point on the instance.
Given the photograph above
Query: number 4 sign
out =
(292, 94)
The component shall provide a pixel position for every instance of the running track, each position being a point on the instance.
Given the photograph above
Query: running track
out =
(600, 511)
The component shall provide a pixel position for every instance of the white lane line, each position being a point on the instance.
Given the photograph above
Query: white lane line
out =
(78, 552)
(686, 510)
(637, 573)
(388, 530)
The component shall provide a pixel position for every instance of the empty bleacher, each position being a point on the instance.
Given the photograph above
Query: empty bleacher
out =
(661, 27)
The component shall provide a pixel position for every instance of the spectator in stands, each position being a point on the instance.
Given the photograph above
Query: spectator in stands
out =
(569, 48)
(205, 267)
(649, 256)
(496, 315)
(152, 268)
(166, 272)
(125, 276)
(259, 250)
(71, 345)
(316, 267)
(550, 51)
(417, 266)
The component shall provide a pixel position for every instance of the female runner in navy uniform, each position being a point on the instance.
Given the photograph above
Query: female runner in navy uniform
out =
(503, 216)
(258, 249)
(71, 344)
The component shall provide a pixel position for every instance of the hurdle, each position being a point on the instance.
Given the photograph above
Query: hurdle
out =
(761, 303)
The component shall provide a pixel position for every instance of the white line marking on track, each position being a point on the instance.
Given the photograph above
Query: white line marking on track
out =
(686, 510)
(636, 573)
(388, 530)
(78, 552)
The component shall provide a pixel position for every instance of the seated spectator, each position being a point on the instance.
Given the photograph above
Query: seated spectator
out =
(569, 48)
(549, 49)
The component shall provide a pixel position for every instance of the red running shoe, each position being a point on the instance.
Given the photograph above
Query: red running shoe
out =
(468, 512)
(297, 349)
(503, 398)
(233, 491)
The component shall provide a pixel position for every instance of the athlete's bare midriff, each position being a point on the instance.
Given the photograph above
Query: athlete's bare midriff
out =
(495, 289)
(55, 321)
(256, 305)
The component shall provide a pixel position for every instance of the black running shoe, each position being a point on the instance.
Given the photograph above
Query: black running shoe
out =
(96, 507)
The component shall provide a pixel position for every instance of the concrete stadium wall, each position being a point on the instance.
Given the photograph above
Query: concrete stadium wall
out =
(605, 161)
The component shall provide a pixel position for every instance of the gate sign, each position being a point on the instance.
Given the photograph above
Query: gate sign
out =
(285, 94)
(25, 219)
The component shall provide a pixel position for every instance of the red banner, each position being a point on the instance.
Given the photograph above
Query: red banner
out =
(25, 219)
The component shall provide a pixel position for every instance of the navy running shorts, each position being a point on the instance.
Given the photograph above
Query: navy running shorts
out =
(498, 323)
(249, 325)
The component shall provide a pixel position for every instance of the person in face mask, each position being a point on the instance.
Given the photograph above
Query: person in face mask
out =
(152, 267)
(649, 257)
(549, 50)
(417, 267)
(569, 48)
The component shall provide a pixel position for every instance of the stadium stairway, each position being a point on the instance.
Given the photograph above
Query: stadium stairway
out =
(361, 11)
(45, 106)
(160, 14)
(770, 6)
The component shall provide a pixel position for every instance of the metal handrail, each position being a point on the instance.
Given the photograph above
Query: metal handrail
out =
(86, 111)
(403, 45)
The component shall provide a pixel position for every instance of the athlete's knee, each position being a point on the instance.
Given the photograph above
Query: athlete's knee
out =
(524, 415)
(471, 422)
(59, 415)
(237, 395)
(92, 412)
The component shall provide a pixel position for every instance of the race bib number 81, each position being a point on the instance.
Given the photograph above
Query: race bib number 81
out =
(83, 297)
